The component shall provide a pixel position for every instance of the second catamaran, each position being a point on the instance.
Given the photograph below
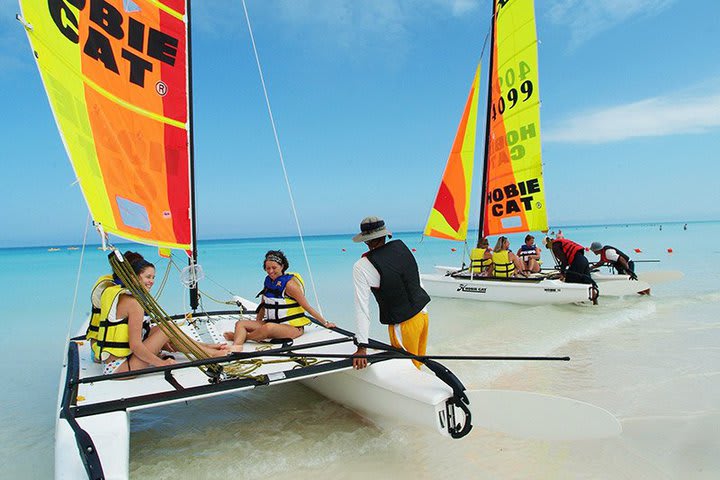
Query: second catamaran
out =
(512, 196)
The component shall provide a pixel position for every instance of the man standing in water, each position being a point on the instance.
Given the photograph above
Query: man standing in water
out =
(390, 272)
(574, 267)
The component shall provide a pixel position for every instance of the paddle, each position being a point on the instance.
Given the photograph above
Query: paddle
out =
(539, 416)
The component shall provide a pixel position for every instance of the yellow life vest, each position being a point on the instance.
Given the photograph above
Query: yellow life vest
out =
(112, 337)
(478, 262)
(95, 295)
(279, 307)
(504, 267)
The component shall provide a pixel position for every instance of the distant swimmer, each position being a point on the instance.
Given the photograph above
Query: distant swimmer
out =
(685, 227)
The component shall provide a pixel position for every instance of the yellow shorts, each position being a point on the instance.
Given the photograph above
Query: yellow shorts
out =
(411, 335)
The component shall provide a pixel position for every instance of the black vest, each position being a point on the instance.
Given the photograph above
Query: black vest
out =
(400, 296)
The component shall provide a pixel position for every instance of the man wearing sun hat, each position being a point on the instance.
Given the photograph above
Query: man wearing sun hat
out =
(390, 272)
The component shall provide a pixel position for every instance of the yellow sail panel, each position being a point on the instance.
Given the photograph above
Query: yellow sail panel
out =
(515, 192)
(116, 76)
(449, 216)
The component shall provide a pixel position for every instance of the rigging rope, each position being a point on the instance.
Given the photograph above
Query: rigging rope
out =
(282, 161)
(180, 340)
(77, 280)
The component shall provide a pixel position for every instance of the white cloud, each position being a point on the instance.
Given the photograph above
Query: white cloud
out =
(587, 18)
(652, 117)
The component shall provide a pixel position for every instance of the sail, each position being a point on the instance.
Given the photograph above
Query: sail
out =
(514, 190)
(116, 76)
(449, 215)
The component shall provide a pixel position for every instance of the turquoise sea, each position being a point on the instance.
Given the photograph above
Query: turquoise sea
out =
(652, 361)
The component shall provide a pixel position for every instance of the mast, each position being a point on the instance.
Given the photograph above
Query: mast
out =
(192, 261)
(483, 182)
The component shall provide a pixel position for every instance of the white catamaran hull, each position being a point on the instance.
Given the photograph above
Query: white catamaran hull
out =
(388, 388)
(525, 291)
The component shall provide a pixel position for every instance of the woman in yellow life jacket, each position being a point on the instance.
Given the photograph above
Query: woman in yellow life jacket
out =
(281, 314)
(505, 263)
(125, 340)
(480, 258)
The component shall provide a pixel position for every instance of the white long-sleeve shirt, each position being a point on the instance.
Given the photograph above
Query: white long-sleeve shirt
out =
(365, 277)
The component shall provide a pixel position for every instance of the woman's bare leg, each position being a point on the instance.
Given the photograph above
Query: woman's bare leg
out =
(274, 330)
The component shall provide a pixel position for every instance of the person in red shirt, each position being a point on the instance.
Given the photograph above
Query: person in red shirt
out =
(574, 267)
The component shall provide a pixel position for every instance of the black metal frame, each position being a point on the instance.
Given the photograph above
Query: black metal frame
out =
(86, 447)
(70, 411)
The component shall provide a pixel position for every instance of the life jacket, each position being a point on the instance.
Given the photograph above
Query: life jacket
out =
(101, 284)
(616, 265)
(112, 337)
(603, 255)
(280, 307)
(504, 267)
(527, 250)
(570, 249)
(478, 262)
(400, 295)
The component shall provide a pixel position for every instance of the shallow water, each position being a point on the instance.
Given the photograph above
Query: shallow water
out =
(652, 361)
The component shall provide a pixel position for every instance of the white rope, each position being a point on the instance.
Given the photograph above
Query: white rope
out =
(77, 281)
(282, 161)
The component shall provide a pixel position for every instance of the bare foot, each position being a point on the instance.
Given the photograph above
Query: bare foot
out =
(229, 336)
(235, 348)
(217, 346)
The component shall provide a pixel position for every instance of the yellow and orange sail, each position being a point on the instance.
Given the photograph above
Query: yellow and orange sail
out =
(450, 213)
(514, 188)
(116, 75)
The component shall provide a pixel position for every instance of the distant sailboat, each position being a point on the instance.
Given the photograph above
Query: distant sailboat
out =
(512, 196)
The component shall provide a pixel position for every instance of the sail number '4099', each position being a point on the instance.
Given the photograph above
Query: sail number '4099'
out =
(513, 95)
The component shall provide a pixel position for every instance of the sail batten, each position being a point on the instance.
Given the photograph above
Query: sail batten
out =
(117, 81)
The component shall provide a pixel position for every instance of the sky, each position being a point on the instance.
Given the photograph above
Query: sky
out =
(367, 96)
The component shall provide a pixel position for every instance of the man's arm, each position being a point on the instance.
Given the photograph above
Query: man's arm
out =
(362, 285)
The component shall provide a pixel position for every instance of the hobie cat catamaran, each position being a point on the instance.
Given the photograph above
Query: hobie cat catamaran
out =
(117, 74)
(512, 197)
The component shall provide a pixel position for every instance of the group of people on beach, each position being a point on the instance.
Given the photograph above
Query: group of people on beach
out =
(122, 338)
